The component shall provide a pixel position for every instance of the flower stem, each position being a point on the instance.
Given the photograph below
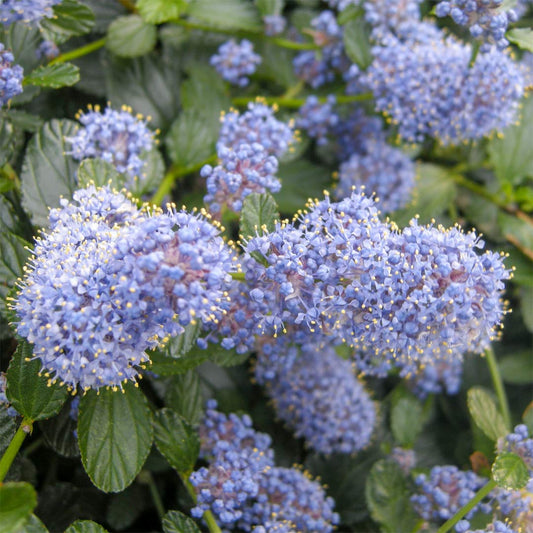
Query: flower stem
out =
(498, 386)
(79, 52)
(295, 103)
(481, 493)
(25, 427)
(208, 515)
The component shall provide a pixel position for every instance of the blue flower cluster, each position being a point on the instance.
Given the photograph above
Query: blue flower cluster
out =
(109, 281)
(497, 526)
(318, 119)
(436, 376)
(236, 61)
(445, 491)
(47, 50)
(275, 527)
(520, 443)
(318, 396)
(274, 24)
(486, 19)
(28, 11)
(387, 16)
(10, 76)
(516, 506)
(242, 486)
(117, 137)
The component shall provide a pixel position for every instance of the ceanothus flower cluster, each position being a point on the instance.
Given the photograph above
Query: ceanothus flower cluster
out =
(520, 443)
(27, 11)
(516, 506)
(485, 18)
(318, 396)
(109, 281)
(236, 61)
(115, 136)
(10, 76)
(389, 15)
(496, 526)
(318, 119)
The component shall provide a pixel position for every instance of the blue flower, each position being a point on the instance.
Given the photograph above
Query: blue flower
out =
(520, 443)
(28, 11)
(10, 76)
(387, 16)
(236, 61)
(47, 50)
(274, 24)
(317, 119)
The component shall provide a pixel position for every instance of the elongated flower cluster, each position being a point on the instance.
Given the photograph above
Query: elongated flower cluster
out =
(10, 76)
(27, 11)
(117, 137)
(317, 119)
(318, 396)
(445, 491)
(236, 61)
(109, 281)
(242, 486)
(429, 89)
(485, 18)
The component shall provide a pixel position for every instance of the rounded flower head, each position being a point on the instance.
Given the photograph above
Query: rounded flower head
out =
(117, 137)
(388, 15)
(10, 76)
(109, 281)
(236, 61)
(318, 396)
(27, 11)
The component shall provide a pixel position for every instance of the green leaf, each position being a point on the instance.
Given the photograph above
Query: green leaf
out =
(522, 37)
(176, 439)
(235, 14)
(18, 501)
(406, 421)
(184, 396)
(191, 139)
(104, 13)
(33, 525)
(510, 154)
(115, 435)
(100, 173)
(387, 498)
(182, 344)
(516, 230)
(527, 418)
(54, 76)
(357, 42)
(176, 522)
(85, 526)
(24, 121)
(158, 11)
(151, 174)
(47, 172)
(131, 36)
(485, 414)
(58, 433)
(164, 365)
(8, 427)
(30, 393)
(126, 506)
(517, 368)
(70, 18)
(259, 214)
(510, 471)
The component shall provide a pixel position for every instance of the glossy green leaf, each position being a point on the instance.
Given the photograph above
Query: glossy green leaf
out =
(387, 498)
(17, 503)
(58, 433)
(30, 393)
(115, 435)
(33, 525)
(47, 172)
(158, 11)
(176, 439)
(517, 368)
(184, 395)
(24, 121)
(8, 427)
(152, 173)
(522, 37)
(485, 414)
(357, 42)
(510, 471)
(85, 526)
(406, 421)
(130, 36)
(164, 365)
(70, 18)
(259, 214)
(54, 76)
(99, 173)
(235, 14)
(270, 7)
(182, 344)
(176, 522)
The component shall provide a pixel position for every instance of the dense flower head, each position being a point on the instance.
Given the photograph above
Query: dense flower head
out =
(27, 11)
(117, 137)
(47, 50)
(10, 76)
(236, 61)
(429, 89)
(109, 281)
(275, 527)
(516, 506)
(387, 15)
(444, 491)
(274, 24)
(383, 170)
(496, 526)
(256, 125)
(485, 18)
(317, 119)
(440, 375)
(241, 171)
(318, 396)
(520, 443)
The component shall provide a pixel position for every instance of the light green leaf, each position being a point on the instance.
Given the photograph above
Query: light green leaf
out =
(517, 368)
(184, 396)
(30, 393)
(259, 214)
(105, 12)
(131, 36)
(70, 18)
(18, 501)
(485, 414)
(100, 173)
(510, 472)
(158, 11)
(176, 522)
(47, 172)
(406, 421)
(357, 42)
(115, 436)
(33, 525)
(235, 14)
(522, 37)
(270, 7)
(85, 526)
(54, 76)
(176, 439)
